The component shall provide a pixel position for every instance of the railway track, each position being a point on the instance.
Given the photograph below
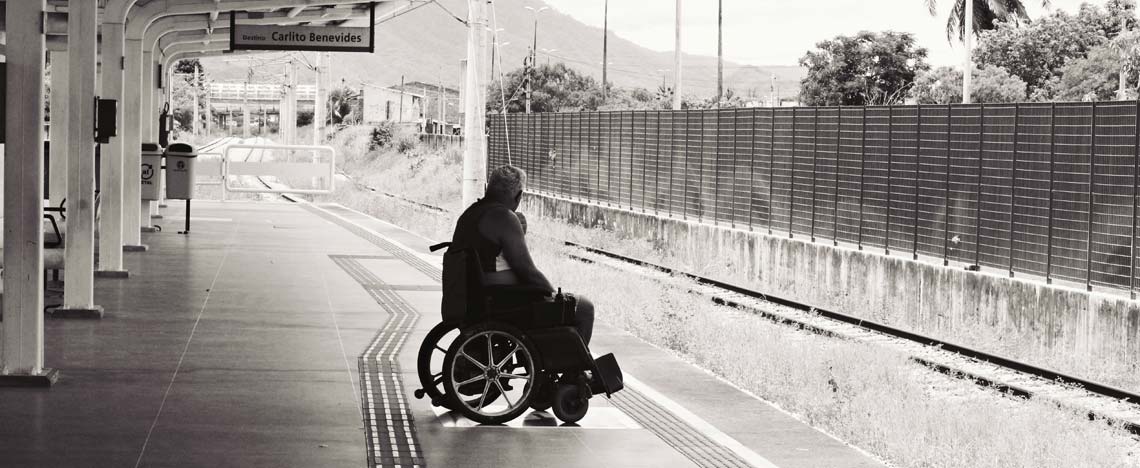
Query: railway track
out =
(1011, 376)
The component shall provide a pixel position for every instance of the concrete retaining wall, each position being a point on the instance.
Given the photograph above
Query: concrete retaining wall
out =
(1054, 326)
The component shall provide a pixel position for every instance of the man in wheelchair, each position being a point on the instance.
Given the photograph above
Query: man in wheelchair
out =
(520, 343)
(496, 233)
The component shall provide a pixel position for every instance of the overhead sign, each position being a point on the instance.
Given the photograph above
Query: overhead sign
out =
(293, 37)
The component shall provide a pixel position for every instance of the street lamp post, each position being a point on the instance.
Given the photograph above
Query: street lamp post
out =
(968, 66)
(605, 46)
(533, 54)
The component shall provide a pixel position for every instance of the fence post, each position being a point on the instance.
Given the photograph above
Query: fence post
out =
(814, 147)
(700, 173)
(672, 161)
(656, 161)
(946, 223)
(685, 197)
(835, 202)
(978, 191)
(917, 164)
(792, 179)
(716, 166)
(1052, 176)
(632, 155)
(890, 164)
(1092, 181)
(771, 168)
(751, 166)
(862, 174)
(609, 156)
(644, 157)
(1013, 184)
(1135, 178)
(732, 193)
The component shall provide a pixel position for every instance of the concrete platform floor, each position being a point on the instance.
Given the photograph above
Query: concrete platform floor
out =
(245, 344)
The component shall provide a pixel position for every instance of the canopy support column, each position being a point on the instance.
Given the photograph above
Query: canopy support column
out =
(111, 158)
(132, 143)
(22, 344)
(475, 97)
(78, 286)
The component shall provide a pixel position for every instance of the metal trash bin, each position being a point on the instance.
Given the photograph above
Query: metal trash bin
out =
(180, 159)
(151, 171)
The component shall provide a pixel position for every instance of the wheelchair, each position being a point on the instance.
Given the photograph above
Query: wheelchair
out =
(501, 350)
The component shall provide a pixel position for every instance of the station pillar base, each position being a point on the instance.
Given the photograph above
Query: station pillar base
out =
(44, 379)
(115, 274)
(93, 312)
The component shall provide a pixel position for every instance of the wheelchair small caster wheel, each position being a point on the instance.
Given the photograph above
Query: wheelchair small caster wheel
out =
(571, 402)
(419, 393)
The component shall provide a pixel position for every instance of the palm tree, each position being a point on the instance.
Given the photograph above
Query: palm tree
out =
(981, 15)
(985, 14)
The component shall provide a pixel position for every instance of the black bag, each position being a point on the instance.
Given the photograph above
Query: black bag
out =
(462, 285)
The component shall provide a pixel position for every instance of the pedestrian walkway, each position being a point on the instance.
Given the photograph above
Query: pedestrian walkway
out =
(280, 334)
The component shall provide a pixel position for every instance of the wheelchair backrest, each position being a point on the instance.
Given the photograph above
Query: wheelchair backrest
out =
(462, 285)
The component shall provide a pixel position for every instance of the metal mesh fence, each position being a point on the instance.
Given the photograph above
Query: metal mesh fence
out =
(1035, 189)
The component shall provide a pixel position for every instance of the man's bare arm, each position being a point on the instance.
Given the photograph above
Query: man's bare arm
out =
(503, 227)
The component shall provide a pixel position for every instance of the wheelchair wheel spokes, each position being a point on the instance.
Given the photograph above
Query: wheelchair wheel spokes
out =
(498, 362)
(432, 353)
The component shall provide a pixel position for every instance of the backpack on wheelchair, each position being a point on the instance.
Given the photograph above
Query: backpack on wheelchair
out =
(500, 350)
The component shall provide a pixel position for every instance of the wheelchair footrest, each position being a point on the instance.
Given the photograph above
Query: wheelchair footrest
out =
(607, 371)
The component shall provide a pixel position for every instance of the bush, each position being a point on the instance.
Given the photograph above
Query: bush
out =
(407, 141)
(382, 135)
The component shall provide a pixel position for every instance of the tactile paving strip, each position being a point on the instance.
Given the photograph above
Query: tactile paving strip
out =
(687, 440)
(390, 428)
(409, 258)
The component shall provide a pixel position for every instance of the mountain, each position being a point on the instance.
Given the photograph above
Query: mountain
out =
(428, 43)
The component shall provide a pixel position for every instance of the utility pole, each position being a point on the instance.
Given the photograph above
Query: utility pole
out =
(529, 69)
(968, 66)
(194, 125)
(1121, 94)
(605, 45)
(474, 104)
(442, 100)
(319, 100)
(719, 51)
(401, 117)
(209, 114)
(677, 63)
(245, 103)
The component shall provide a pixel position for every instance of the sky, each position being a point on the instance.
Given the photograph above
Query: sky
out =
(778, 32)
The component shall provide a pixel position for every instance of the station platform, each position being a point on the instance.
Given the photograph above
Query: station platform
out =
(285, 334)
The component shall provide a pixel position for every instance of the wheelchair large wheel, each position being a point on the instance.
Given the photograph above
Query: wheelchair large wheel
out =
(429, 363)
(486, 363)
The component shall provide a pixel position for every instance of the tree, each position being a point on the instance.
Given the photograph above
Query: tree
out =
(943, 85)
(1092, 78)
(188, 66)
(554, 88)
(987, 13)
(343, 103)
(867, 68)
(182, 95)
(1037, 51)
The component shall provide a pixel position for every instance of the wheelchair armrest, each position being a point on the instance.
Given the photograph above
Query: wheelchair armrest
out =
(519, 289)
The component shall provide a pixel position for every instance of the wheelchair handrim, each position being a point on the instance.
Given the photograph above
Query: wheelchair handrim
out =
(505, 367)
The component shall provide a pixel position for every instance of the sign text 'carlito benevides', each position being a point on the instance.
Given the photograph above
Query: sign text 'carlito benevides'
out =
(295, 37)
